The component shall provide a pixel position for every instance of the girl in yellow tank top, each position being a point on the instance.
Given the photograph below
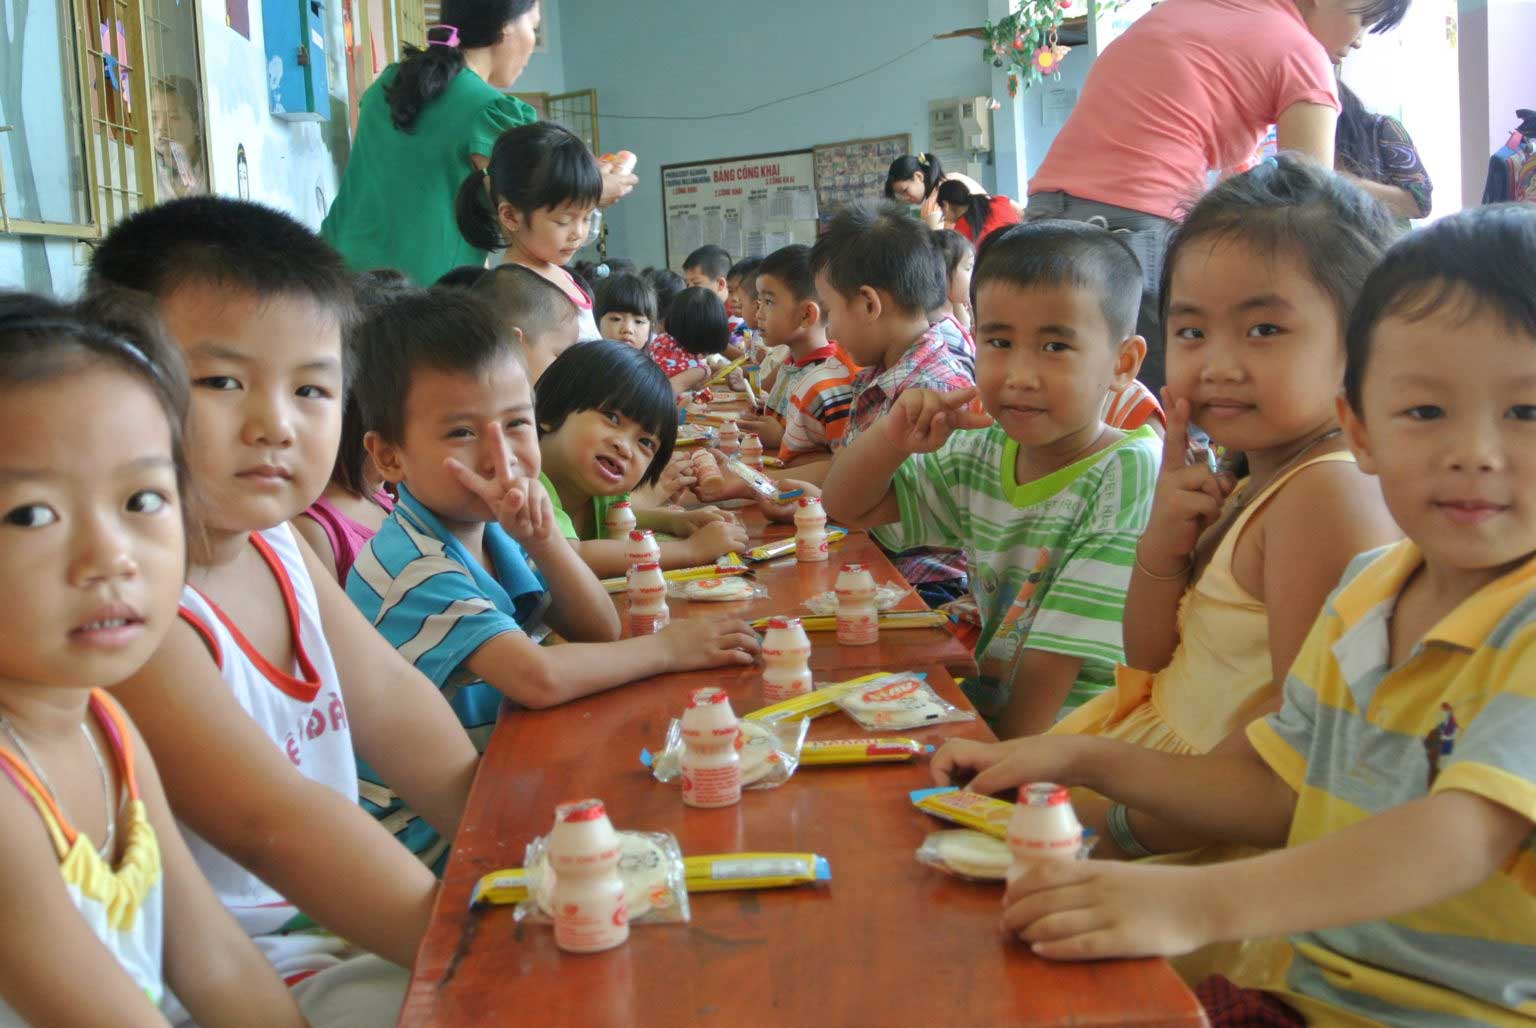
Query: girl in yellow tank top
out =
(92, 560)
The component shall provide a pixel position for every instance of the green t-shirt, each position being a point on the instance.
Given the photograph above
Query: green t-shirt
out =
(600, 507)
(395, 205)
(1049, 560)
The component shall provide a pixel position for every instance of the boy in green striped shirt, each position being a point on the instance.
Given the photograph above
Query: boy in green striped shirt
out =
(1045, 498)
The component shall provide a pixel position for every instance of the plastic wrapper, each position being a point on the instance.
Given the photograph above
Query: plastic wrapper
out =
(786, 547)
(898, 702)
(651, 865)
(697, 435)
(978, 857)
(730, 589)
(887, 595)
(968, 809)
(819, 701)
(710, 872)
(891, 620)
(835, 752)
(761, 485)
(770, 752)
(722, 368)
(966, 853)
(726, 566)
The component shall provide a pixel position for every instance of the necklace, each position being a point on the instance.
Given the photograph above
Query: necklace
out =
(105, 849)
(1249, 492)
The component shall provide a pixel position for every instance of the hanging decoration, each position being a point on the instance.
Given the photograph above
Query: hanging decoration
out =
(1026, 42)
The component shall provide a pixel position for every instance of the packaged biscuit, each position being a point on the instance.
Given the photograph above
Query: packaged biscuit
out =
(822, 700)
(969, 809)
(770, 752)
(716, 590)
(887, 595)
(728, 565)
(968, 854)
(900, 701)
(650, 863)
(713, 872)
(861, 751)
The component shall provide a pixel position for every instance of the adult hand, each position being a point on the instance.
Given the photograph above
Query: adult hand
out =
(616, 186)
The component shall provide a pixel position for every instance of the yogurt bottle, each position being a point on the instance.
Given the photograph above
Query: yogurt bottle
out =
(588, 894)
(711, 763)
(1044, 827)
(620, 521)
(648, 610)
(786, 660)
(752, 450)
(858, 620)
(730, 439)
(810, 531)
(642, 548)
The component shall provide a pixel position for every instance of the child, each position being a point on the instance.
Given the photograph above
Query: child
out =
(877, 279)
(697, 327)
(354, 504)
(741, 295)
(1398, 774)
(254, 702)
(101, 891)
(821, 390)
(465, 276)
(975, 215)
(536, 312)
(1228, 581)
(626, 310)
(607, 424)
(959, 263)
(709, 267)
(535, 201)
(451, 421)
(1048, 501)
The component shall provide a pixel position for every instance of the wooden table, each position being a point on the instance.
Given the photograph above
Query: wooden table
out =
(789, 584)
(886, 942)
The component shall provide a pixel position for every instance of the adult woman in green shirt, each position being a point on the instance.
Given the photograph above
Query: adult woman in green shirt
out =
(421, 127)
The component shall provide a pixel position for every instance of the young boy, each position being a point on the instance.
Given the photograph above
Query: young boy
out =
(1046, 499)
(255, 701)
(535, 311)
(447, 579)
(741, 299)
(820, 390)
(876, 279)
(710, 267)
(1399, 775)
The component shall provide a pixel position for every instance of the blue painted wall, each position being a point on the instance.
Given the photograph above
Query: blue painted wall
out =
(546, 71)
(690, 57)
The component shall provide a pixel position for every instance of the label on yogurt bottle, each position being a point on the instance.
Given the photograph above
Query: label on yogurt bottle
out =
(712, 786)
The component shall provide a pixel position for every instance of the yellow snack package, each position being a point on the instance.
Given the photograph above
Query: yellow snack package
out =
(861, 751)
(812, 704)
(730, 564)
(970, 809)
(891, 619)
(716, 872)
(785, 547)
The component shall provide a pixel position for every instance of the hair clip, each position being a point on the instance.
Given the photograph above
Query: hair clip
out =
(452, 40)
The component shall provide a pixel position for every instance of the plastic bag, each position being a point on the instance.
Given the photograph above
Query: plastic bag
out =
(887, 595)
(769, 752)
(898, 702)
(760, 484)
(650, 863)
(733, 589)
(978, 856)
(813, 704)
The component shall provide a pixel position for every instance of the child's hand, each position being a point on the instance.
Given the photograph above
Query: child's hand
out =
(774, 510)
(1004, 766)
(690, 522)
(703, 642)
(732, 487)
(517, 502)
(716, 539)
(1096, 909)
(676, 479)
(766, 427)
(1188, 500)
(921, 419)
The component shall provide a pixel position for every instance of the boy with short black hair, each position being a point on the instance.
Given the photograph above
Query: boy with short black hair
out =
(1047, 501)
(1398, 777)
(876, 280)
(818, 376)
(535, 311)
(259, 704)
(710, 267)
(741, 301)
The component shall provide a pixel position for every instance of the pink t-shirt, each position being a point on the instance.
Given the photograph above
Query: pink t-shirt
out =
(1191, 87)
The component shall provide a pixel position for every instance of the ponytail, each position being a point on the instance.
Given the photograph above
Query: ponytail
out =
(424, 74)
(478, 221)
(533, 167)
(903, 168)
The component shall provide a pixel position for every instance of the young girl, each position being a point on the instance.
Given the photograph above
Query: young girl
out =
(975, 215)
(626, 310)
(91, 535)
(1229, 576)
(607, 424)
(535, 201)
(697, 327)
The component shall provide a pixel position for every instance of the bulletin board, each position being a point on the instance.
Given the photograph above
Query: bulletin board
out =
(855, 170)
(752, 205)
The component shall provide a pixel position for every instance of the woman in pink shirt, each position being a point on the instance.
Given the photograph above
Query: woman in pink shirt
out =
(1192, 87)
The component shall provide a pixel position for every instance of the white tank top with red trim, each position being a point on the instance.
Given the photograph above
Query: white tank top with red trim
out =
(301, 711)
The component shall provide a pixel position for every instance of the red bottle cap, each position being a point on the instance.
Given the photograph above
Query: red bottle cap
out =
(783, 622)
(581, 810)
(639, 535)
(855, 568)
(1043, 794)
(707, 697)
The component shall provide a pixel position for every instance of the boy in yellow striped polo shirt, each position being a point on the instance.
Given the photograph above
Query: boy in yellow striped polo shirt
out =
(1400, 775)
